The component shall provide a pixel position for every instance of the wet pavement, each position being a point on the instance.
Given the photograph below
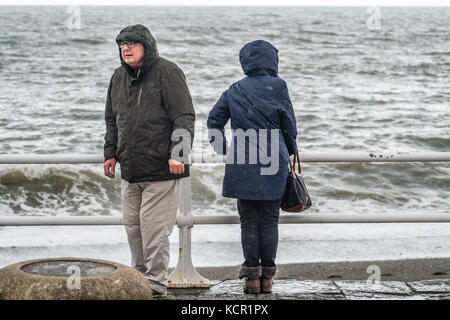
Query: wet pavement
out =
(294, 289)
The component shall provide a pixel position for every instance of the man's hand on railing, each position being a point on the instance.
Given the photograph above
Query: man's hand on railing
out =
(110, 167)
(176, 167)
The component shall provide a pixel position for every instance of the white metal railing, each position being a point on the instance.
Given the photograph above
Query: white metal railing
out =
(227, 219)
(200, 157)
(184, 274)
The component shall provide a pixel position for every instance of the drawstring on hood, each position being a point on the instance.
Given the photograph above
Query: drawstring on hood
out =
(139, 33)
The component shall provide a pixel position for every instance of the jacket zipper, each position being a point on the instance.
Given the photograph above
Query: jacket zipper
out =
(139, 98)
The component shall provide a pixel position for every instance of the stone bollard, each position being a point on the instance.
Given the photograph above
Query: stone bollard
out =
(72, 279)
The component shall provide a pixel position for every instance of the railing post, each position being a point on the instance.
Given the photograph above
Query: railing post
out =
(184, 275)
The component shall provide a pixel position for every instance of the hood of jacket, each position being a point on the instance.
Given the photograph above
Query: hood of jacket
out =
(259, 58)
(139, 33)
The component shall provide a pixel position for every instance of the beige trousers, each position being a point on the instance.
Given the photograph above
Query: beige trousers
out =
(149, 211)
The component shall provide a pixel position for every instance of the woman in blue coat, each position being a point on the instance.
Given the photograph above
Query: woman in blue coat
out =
(264, 135)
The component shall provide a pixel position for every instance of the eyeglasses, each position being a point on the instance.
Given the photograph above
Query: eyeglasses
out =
(130, 45)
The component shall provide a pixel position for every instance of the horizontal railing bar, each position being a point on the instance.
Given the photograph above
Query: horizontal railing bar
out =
(347, 157)
(334, 218)
(234, 219)
(50, 158)
(208, 158)
(60, 221)
(376, 157)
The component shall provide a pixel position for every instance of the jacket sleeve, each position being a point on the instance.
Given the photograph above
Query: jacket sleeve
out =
(110, 146)
(287, 120)
(178, 105)
(217, 119)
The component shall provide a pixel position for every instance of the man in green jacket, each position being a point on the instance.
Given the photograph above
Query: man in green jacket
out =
(149, 130)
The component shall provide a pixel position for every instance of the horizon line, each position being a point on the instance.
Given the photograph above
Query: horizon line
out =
(211, 6)
(221, 5)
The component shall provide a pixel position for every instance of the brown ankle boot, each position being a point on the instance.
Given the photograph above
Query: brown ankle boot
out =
(267, 278)
(252, 286)
(252, 277)
(266, 285)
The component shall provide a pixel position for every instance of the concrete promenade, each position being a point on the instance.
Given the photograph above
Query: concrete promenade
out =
(294, 289)
(415, 279)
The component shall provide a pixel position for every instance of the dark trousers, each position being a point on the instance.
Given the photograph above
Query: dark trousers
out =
(259, 231)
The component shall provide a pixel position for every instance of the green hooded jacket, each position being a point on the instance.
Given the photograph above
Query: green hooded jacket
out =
(143, 108)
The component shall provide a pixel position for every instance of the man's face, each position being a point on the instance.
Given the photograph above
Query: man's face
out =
(132, 53)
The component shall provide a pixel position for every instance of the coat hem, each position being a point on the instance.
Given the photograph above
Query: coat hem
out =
(165, 178)
(253, 196)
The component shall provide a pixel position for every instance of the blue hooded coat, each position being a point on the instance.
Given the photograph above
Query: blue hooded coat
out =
(263, 124)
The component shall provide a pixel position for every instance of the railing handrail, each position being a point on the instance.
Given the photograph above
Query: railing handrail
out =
(233, 219)
(210, 158)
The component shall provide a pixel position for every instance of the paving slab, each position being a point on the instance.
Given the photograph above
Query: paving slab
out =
(349, 287)
(283, 289)
(295, 289)
(431, 296)
(431, 286)
(292, 287)
(380, 296)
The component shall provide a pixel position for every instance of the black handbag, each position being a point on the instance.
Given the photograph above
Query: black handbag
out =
(296, 197)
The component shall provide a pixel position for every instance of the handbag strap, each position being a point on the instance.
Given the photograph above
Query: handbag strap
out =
(296, 156)
(296, 160)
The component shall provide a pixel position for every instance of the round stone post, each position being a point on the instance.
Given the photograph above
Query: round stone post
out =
(184, 275)
(72, 279)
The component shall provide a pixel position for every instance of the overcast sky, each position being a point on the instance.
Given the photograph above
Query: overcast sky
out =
(235, 2)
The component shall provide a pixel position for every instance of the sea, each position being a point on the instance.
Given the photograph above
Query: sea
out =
(360, 80)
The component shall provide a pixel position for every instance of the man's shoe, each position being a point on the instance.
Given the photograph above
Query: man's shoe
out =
(252, 286)
(156, 293)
